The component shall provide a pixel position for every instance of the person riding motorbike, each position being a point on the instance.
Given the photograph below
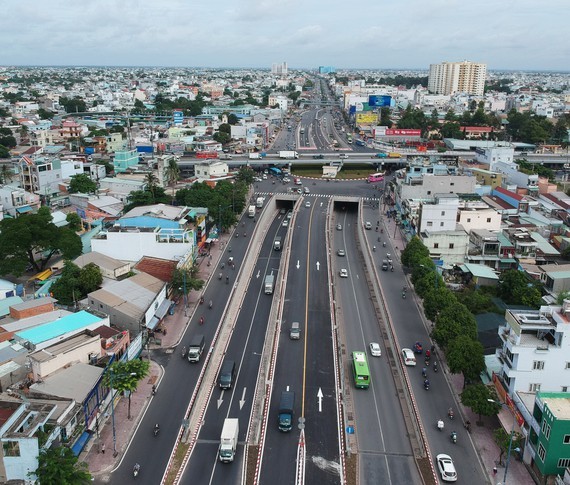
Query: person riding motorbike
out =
(202, 320)
(424, 372)
(244, 234)
(153, 389)
(220, 276)
(156, 429)
(404, 295)
(467, 426)
(201, 300)
(435, 366)
(210, 304)
(136, 469)
(227, 279)
(374, 248)
(450, 413)
(426, 384)
(384, 244)
(453, 437)
(183, 352)
(440, 425)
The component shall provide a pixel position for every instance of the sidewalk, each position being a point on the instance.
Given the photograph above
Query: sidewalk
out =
(482, 436)
(98, 453)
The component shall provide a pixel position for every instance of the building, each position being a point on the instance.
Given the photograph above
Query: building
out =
(457, 77)
(549, 437)
(110, 267)
(327, 69)
(535, 349)
(17, 201)
(279, 68)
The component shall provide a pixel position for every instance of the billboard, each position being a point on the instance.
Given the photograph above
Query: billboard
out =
(178, 117)
(379, 101)
(402, 132)
(366, 118)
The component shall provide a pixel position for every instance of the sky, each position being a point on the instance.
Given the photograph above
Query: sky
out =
(372, 34)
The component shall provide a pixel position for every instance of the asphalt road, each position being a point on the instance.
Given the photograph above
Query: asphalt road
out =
(244, 349)
(384, 451)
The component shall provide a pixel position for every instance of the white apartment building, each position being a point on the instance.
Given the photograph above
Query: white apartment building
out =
(494, 155)
(479, 216)
(206, 171)
(439, 215)
(452, 77)
(535, 351)
(427, 186)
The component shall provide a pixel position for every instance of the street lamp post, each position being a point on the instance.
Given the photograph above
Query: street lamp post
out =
(113, 413)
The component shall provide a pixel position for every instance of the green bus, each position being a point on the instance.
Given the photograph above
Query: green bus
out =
(360, 369)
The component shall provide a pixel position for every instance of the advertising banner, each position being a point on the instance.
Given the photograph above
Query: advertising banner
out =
(379, 101)
(402, 132)
(366, 118)
(178, 117)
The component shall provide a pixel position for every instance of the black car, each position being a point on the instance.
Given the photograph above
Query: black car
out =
(318, 157)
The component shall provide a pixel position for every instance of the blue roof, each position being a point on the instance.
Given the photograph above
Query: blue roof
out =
(6, 303)
(61, 326)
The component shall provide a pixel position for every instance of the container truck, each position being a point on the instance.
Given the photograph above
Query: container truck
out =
(288, 154)
(229, 440)
(286, 405)
(251, 211)
(269, 279)
(257, 156)
(196, 348)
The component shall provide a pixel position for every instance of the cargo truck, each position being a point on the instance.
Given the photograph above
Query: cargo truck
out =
(256, 156)
(288, 154)
(229, 440)
(196, 348)
(286, 405)
(251, 211)
(269, 280)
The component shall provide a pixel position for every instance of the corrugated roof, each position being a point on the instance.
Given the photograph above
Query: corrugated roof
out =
(100, 260)
(481, 271)
(75, 382)
(62, 326)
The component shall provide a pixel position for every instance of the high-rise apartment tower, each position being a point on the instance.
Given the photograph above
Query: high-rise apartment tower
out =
(457, 77)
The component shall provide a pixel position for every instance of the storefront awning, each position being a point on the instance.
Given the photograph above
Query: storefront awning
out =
(80, 443)
(23, 209)
(153, 323)
(508, 260)
(162, 310)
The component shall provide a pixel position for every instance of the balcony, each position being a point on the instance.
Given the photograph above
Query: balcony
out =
(504, 358)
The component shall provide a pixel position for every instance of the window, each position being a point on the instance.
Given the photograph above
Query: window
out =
(469, 219)
(442, 213)
(441, 224)
(429, 224)
(534, 387)
(541, 452)
(538, 365)
(452, 183)
(451, 245)
(429, 192)
(566, 439)
(11, 448)
(488, 219)
(563, 462)
(567, 365)
(564, 389)
(435, 245)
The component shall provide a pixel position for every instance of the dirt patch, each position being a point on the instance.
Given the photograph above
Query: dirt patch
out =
(177, 460)
(252, 453)
(351, 462)
(426, 471)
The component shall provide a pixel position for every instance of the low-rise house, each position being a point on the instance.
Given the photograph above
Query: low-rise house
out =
(16, 201)
(110, 267)
(121, 187)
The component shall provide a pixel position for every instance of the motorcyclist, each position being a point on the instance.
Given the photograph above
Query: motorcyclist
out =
(450, 413)
(136, 469)
(424, 372)
(435, 366)
(153, 389)
(373, 248)
(440, 424)
(227, 279)
(210, 304)
(183, 351)
(202, 320)
(454, 436)
(426, 384)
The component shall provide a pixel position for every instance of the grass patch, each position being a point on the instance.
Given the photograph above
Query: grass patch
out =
(181, 451)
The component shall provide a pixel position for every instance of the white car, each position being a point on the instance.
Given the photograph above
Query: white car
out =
(340, 252)
(375, 349)
(446, 468)
(343, 273)
(409, 357)
(339, 227)
(343, 155)
(367, 225)
(285, 222)
(308, 203)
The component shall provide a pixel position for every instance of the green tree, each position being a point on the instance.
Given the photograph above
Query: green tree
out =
(222, 137)
(385, 116)
(74, 221)
(503, 440)
(233, 119)
(30, 234)
(172, 171)
(481, 399)
(6, 173)
(45, 115)
(414, 251)
(184, 278)
(451, 130)
(515, 288)
(413, 119)
(454, 321)
(90, 278)
(74, 105)
(83, 184)
(465, 355)
(8, 141)
(139, 105)
(245, 175)
(436, 300)
(4, 152)
(60, 466)
(434, 119)
(125, 377)
(450, 115)
(476, 300)
(76, 283)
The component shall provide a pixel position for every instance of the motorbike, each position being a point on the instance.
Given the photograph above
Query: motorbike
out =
(450, 413)
(244, 234)
(183, 352)
(153, 390)
(156, 429)
(404, 295)
(435, 366)
(374, 248)
(201, 320)
(201, 300)
(392, 268)
(424, 372)
(237, 234)
(384, 244)
(210, 304)
(440, 425)
(426, 385)
(220, 276)
(227, 279)
(467, 426)
(136, 470)
(376, 229)
(223, 265)
(453, 437)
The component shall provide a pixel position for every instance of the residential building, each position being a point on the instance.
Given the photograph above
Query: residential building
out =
(448, 247)
(478, 216)
(125, 159)
(452, 77)
(110, 267)
(495, 155)
(555, 277)
(440, 214)
(279, 68)
(207, 171)
(121, 187)
(549, 437)
(17, 201)
(40, 175)
(535, 349)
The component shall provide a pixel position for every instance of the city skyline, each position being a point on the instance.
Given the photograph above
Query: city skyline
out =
(398, 35)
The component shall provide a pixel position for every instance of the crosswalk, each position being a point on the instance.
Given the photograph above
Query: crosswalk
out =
(324, 196)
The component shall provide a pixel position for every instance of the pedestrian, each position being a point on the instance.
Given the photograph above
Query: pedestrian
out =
(103, 448)
(494, 470)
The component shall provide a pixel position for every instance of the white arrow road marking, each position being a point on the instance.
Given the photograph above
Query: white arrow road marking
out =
(320, 397)
(318, 265)
(221, 400)
(298, 264)
(242, 400)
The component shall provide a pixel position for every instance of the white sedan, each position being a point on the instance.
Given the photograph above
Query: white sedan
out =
(446, 468)
(375, 349)
(343, 273)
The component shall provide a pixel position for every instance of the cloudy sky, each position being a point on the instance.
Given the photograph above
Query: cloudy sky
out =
(505, 34)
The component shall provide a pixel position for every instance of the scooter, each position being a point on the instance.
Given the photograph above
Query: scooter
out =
(384, 244)
(227, 279)
(156, 429)
(210, 304)
(435, 366)
(440, 425)
(136, 470)
(450, 413)
(426, 385)
(183, 352)
(453, 437)
(201, 320)
(153, 390)
(404, 295)
(220, 276)
(467, 426)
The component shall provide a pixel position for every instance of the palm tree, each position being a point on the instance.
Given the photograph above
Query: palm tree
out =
(151, 183)
(6, 174)
(172, 171)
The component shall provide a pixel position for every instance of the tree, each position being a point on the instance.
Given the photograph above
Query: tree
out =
(233, 119)
(4, 152)
(454, 321)
(74, 221)
(450, 115)
(503, 440)
(74, 105)
(6, 173)
(436, 300)
(434, 119)
(413, 252)
(83, 184)
(222, 137)
(451, 130)
(76, 283)
(515, 288)
(23, 238)
(59, 465)
(125, 376)
(465, 355)
(185, 279)
(172, 171)
(481, 399)
(8, 141)
(139, 105)
(385, 116)
(45, 115)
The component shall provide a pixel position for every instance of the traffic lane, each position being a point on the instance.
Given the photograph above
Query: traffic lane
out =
(280, 449)
(321, 426)
(246, 341)
(433, 404)
(213, 471)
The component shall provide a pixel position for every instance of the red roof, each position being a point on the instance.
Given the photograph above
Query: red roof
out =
(159, 268)
(509, 193)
